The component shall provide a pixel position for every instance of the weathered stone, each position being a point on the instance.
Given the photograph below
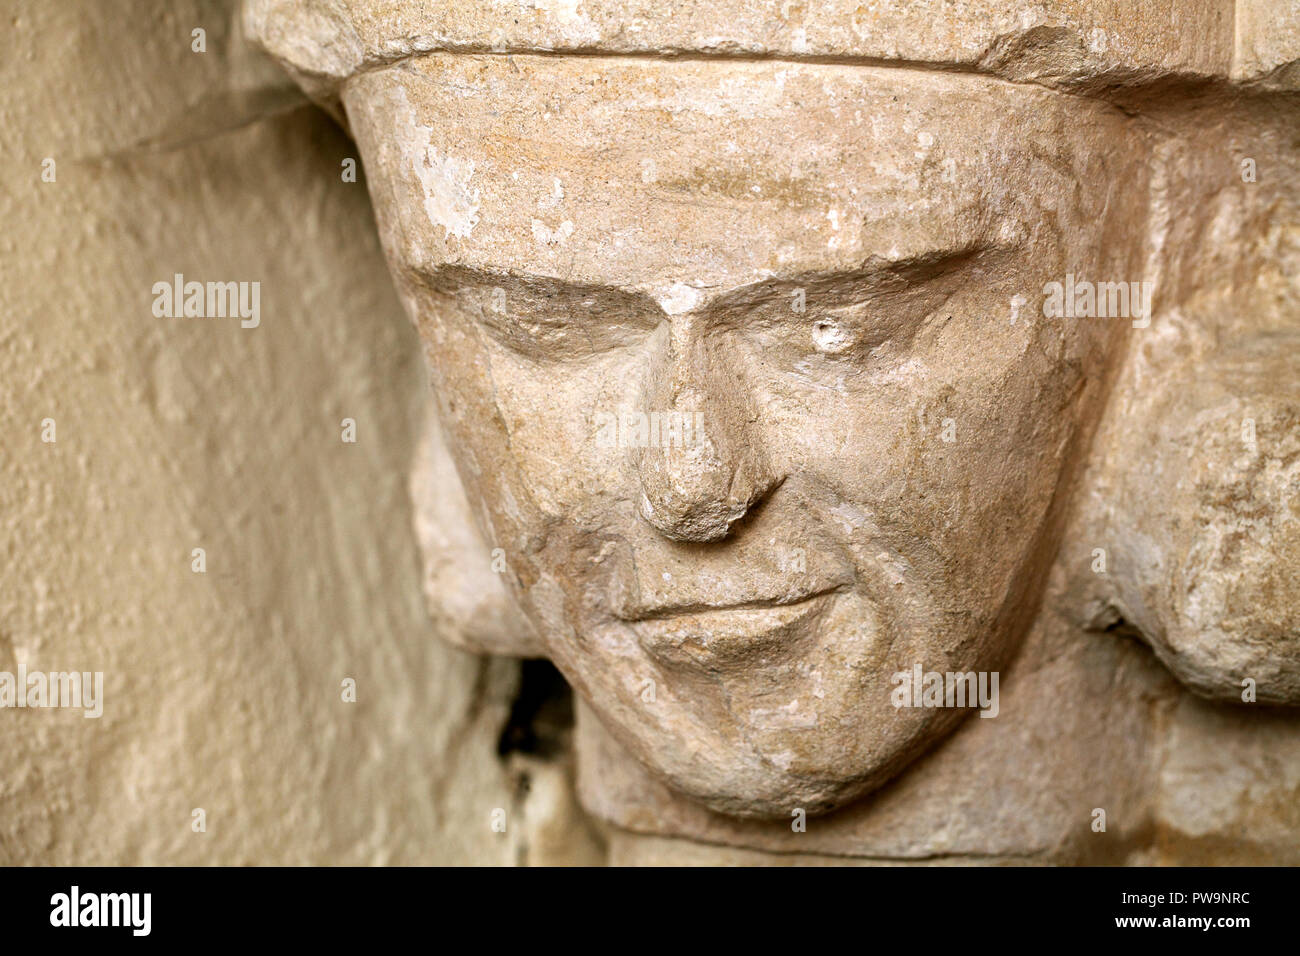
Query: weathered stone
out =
(1054, 42)
(222, 689)
(986, 321)
(1268, 43)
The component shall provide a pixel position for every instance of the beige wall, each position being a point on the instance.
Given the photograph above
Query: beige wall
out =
(222, 689)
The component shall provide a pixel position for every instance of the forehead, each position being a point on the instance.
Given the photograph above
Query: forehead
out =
(686, 179)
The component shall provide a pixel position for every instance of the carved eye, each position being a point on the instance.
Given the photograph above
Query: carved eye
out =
(829, 337)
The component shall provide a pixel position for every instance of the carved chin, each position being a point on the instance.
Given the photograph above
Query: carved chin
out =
(752, 782)
(757, 712)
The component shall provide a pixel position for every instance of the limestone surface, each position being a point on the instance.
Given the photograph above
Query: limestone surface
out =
(885, 415)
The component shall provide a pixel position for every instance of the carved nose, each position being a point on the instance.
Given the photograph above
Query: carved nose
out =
(702, 468)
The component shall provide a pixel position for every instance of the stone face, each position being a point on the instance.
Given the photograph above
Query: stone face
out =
(791, 358)
(828, 580)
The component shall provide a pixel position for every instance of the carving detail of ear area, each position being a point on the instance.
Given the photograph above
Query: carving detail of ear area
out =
(464, 580)
(1198, 523)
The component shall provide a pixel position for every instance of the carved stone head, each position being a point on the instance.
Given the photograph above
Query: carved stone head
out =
(745, 354)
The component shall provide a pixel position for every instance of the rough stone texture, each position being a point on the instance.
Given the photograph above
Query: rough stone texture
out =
(896, 237)
(621, 229)
(1056, 42)
(1075, 732)
(222, 689)
(592, 210)
(1194, 490)
(1229, 789)
(467, 600)
(1268, 43)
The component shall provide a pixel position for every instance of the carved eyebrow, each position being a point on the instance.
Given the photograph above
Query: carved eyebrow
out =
(876, 275)
(455, 278)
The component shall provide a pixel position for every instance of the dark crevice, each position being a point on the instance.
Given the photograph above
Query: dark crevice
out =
(541, 717)
(1109, 617)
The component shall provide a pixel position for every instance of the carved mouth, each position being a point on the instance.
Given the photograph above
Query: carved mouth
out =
(752, 632)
